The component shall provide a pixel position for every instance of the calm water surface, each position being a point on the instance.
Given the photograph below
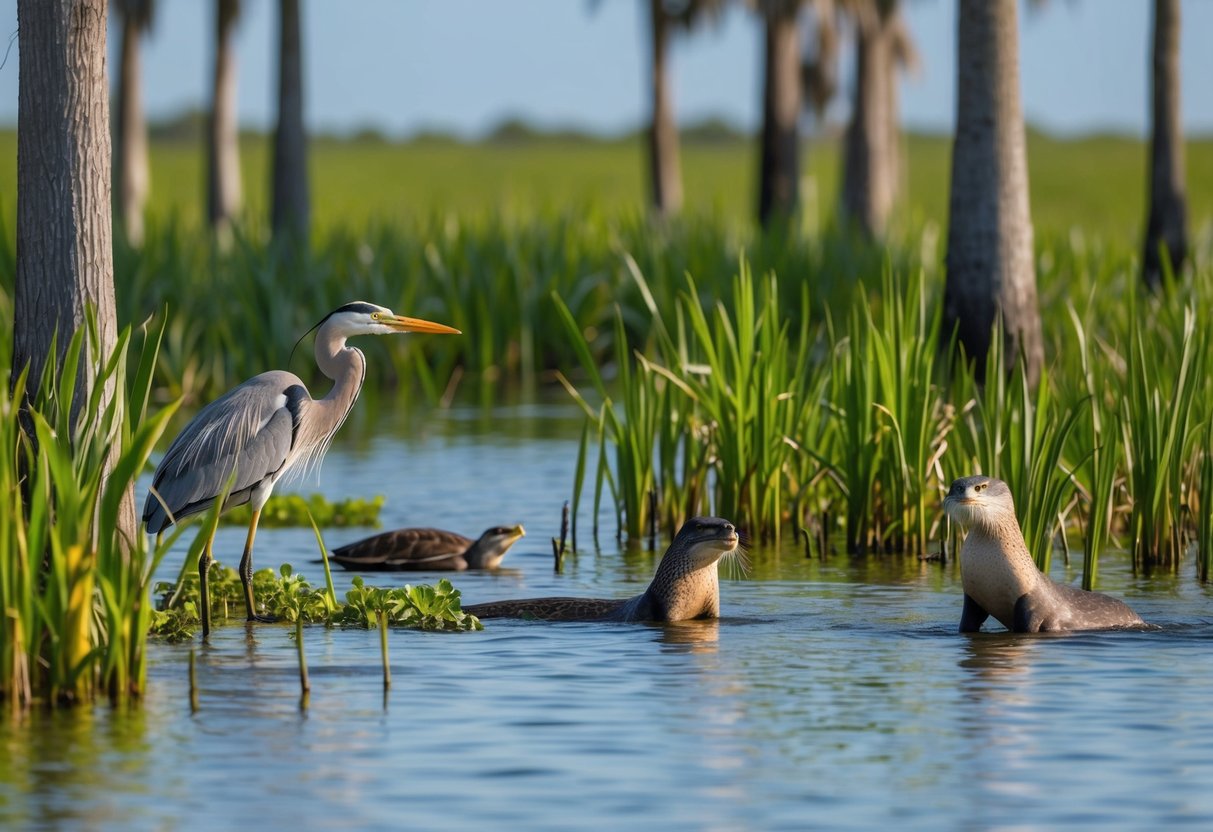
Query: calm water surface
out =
(831, 694)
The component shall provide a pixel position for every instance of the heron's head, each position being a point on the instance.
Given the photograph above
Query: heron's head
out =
(362, 318)
(706, 539)
(972, 501)
(493, 544)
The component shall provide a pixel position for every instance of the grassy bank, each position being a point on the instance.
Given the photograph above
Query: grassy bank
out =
(1097, 184)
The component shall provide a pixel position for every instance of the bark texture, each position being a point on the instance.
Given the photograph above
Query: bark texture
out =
(1167, 225)
(64, 210)
(291, 211)
(665, 172)
(871, 170)
(130, 158)
(223, 149)
(990, 270)
(779, 169)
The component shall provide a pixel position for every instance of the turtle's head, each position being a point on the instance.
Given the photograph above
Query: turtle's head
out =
(487, 552)
(977, 501)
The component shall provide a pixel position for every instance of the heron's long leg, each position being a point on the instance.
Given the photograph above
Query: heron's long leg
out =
(204, 601)
(246, 570)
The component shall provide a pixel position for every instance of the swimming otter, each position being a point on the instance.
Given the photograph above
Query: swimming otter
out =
(684, 587)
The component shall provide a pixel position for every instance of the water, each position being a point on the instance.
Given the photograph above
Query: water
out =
(831, 694)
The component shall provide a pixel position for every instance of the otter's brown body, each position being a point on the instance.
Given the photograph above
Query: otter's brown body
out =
(1001, 580)
(685, 586)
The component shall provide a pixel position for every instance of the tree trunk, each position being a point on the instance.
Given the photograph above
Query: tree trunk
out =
(291, 208)
(64, 220)
(779, 172)
(223, 149)
(1168, 219)
(990, 271)
(664, 166)
(131, 159)
(870, 167)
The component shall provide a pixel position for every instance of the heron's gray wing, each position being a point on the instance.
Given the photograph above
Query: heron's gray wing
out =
(250, 430)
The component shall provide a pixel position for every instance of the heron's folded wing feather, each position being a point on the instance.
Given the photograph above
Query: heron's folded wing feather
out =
(250, 431)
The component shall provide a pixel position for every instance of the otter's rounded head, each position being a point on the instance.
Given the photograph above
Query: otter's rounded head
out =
(707, 539)
(972, 499)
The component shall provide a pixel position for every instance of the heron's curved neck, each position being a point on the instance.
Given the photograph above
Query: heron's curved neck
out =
(345, 365)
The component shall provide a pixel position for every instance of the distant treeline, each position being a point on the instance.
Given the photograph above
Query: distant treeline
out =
(190, 126)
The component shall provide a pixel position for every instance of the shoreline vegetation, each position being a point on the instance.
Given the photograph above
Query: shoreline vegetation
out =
(796, 382)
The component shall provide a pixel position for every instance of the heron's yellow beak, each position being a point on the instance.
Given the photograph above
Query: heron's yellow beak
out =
(418, 325)
(519, 531)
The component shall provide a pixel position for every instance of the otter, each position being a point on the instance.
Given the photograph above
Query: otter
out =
(685, 585)
(1001, 579)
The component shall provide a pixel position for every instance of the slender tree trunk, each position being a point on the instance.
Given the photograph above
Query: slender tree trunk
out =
(131, 159)
(292, 206)
(779, 172)
(1167, 225)
(870, 167)
(990, 271)
(64, 210)
(223, 149)
(664, 167)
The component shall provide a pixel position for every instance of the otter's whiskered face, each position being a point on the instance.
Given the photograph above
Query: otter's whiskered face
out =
(707, 539)
(971, 500)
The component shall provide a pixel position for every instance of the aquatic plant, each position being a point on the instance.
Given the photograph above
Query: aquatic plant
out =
(283, 510)
(1159, 424)
(287, 596)
(73, 588)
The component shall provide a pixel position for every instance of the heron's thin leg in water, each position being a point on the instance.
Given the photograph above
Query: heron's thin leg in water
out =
(204, 602)
(246, 570)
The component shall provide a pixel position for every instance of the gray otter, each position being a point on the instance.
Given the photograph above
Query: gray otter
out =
(1001, 579)
(684, 587)
(428, 549)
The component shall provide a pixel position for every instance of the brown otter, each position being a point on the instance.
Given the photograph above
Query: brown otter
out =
(685, 585)
(1001, 579)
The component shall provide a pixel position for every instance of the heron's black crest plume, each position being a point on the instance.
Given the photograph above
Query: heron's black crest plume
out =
(354, 306)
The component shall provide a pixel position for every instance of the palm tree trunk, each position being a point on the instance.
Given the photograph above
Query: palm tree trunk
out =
(990, 271)
(131, 157)
(223, 149)
(64, 212)
(779, 172)
(292, 206)
(664, 167)
(870, 169)
(1167, 224)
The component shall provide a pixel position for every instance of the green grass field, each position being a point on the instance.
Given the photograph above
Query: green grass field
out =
(1095, 184)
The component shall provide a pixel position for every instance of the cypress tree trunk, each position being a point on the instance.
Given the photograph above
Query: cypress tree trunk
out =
(664, 167)
(292, 205)
(990, 270)
(223, 149)
(64, 220)
(130, 160)
(779, 172)
(1168, 220)
(870, 167)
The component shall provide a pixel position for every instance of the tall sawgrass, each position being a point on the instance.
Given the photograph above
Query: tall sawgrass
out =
(790, 420)
(73, 584)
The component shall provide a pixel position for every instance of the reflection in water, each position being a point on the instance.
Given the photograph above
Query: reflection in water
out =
(695, 636)
(834, 692)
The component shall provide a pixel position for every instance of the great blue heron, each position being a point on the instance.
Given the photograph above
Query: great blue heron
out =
(258, 431)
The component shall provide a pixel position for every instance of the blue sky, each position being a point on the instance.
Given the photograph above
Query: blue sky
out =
(462, 65)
